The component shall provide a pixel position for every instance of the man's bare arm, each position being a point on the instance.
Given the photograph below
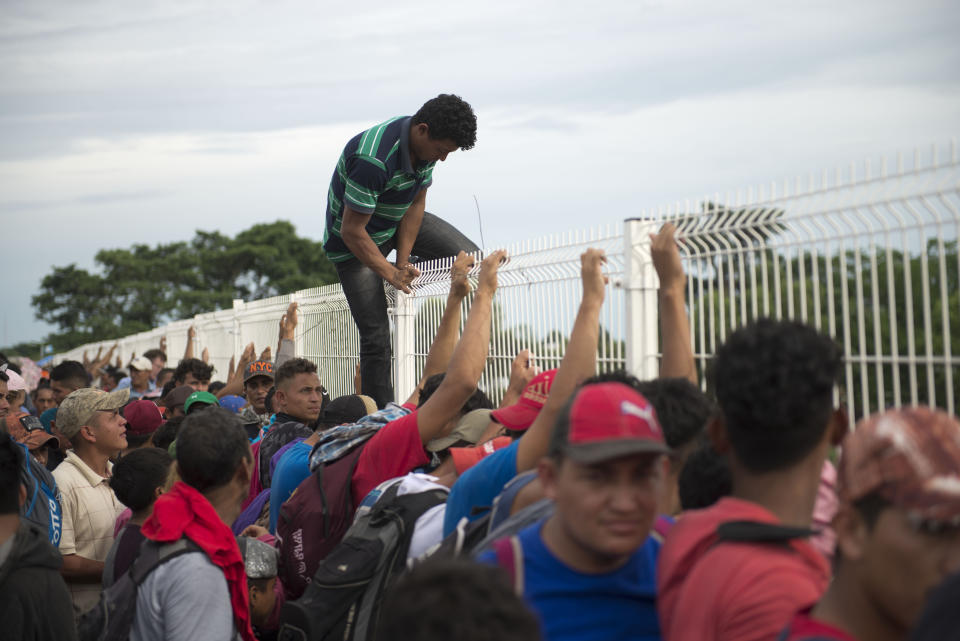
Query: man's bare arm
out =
(677, 361)
(409, 227)
(579, 362)
(78, 569)
(353, 231)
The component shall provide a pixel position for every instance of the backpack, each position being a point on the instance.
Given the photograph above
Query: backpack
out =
(314, 520)
(471, 537)
(42, 506)
(112, 617)
(343, 600)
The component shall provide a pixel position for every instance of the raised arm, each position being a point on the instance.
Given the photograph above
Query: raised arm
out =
(579, 362)
(191, 336)
(677, 361)
(286, 344)
(444, 342)
(468, 360)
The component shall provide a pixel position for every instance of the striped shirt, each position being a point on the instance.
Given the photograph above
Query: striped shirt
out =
(374, 176)
(90, 509)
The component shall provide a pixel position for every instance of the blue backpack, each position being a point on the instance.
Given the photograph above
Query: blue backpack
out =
(42, 506)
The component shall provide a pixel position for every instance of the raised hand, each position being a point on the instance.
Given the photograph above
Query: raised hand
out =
(459, 283)
(666, 258)
(288, 322)
(591, 272)
(488, 270)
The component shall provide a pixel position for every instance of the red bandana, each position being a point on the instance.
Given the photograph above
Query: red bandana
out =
(183, 511)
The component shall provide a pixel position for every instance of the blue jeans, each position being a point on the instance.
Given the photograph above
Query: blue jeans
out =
(368, 303)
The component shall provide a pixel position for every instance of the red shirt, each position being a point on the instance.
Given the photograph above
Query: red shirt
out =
(804, 627)
(733, 591)
(393, 451)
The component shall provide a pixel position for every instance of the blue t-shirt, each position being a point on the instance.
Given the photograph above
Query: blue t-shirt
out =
(479, 486)
(573, 606)
(294, 466)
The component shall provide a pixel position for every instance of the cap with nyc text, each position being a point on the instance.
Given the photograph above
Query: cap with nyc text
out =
(521, 414)
(78, 408)
(258, 368)
(608, 421)
(909, 456)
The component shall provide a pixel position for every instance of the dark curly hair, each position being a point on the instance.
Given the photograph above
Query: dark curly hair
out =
(200, 370)
(478, 400)
(449, 117)
(774, 383)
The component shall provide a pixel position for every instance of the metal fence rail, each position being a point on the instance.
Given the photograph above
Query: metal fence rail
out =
(867, 254)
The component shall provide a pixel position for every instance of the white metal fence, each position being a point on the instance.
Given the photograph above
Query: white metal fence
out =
(867, 254)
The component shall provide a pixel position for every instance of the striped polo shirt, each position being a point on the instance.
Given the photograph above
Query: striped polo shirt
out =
(374, 176)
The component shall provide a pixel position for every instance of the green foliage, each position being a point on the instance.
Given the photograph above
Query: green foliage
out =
(30, 349)
(141, 287)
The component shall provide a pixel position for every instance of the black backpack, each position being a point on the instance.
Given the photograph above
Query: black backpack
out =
(112, 618)
(343, 600)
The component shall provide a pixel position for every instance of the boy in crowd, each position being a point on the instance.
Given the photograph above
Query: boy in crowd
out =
(260, 564)
(201, 594)
(36, 603)
(138, 479)
(716, 581)
(588, 570)
(91, 419)
(898, 527)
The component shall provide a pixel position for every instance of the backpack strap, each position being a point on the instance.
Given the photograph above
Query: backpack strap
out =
(153, 554)
(757, 532)
(31, 478)
(509, 553)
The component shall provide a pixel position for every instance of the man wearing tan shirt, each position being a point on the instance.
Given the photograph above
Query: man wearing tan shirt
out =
(90, 418)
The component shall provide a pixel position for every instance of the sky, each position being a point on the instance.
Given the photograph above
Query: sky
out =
(140, 122)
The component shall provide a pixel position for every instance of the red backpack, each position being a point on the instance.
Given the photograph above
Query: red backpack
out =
(314, 519)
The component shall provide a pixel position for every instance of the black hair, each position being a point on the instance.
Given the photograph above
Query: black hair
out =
(4, 377)
(72, 373)
(166, 433)
(291, 368)
(112, 372)
(138, 474)
(200, 370)
(168, 387)
(268, 399)
(349, 408)
(446, 599)
(449, 117)
(477, 401)
(210, 446)
(774, 385)
(705, 477)
(155, 353)
(215, 387)
(11, 460)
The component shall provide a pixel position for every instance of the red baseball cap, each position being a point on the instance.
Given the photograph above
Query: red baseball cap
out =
(521, 414)
(143, 417)
(607, 421)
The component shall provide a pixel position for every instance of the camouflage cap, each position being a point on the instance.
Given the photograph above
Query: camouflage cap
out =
(78, 408)
(909, 456)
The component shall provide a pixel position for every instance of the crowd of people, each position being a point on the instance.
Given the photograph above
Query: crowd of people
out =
(583, 506)
(156, 504)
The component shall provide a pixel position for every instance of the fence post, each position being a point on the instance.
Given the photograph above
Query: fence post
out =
(404, 338)
(237, 338)
(640, 294)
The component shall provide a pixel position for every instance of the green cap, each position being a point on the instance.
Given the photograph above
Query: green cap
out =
(203, 398)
